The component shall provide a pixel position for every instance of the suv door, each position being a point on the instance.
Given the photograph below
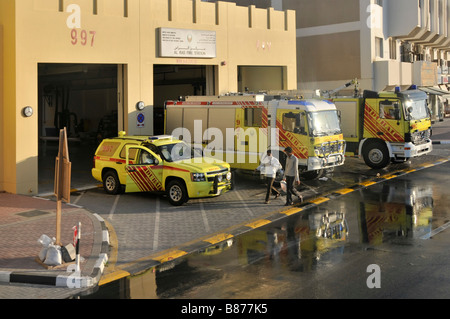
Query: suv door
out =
(145, 175)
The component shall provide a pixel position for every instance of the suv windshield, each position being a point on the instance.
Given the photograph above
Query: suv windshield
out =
(324, 123)
(416, 110)
(178, 152)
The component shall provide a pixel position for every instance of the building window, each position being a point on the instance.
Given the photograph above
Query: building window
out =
(378, 47)
(392, 49)
(379, 2)
(125, 8)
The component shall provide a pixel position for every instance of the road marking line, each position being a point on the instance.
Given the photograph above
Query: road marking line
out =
(205, 218)
(244, 203)
(156, 231)
(218, 238)
(78, 198)
(113, 208)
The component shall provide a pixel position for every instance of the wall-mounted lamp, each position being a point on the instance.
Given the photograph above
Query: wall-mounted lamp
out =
(27, 111)
(223, 63)
(140, 105)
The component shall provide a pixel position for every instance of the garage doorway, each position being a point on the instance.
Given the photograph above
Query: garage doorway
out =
(87, 99)
(174, 81)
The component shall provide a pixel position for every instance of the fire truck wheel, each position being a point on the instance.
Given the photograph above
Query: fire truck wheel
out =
(376, 154)
(177, 193)
(111, 183)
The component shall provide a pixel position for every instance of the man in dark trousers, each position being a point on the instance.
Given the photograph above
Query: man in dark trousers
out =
(269, 167)
(291, 176)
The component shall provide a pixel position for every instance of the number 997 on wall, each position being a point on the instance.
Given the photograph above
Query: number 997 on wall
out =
(82, 37)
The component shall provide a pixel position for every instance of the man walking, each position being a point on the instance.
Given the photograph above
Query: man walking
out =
(269, 167)
(291, 176)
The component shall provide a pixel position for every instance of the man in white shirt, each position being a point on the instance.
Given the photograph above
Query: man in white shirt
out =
(291, 176)
(269, 167)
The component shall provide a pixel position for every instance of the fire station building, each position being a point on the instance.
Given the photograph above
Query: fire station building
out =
(98, 67)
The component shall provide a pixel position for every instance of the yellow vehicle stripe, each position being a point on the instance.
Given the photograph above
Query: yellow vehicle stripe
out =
(374, 125)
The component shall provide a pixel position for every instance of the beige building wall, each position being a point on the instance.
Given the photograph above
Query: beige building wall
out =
(323, 12)
(330, 42)
(120, 32)
(331, 57)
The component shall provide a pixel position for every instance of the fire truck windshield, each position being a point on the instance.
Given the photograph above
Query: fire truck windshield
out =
(416, 110)
(324, 123)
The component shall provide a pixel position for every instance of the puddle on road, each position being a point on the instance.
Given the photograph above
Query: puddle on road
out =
(398, 212)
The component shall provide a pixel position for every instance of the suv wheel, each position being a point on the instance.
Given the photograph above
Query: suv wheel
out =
(111, 183)
(177, 193)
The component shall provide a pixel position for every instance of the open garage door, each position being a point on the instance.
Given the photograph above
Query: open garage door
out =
(173, 81)
(87, 100)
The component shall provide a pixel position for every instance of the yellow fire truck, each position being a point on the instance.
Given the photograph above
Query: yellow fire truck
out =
(385, 127)
(239, 129)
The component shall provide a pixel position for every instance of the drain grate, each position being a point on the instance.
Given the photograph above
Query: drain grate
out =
(33, 213)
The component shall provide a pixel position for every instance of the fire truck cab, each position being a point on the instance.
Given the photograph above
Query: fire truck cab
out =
(386, 127)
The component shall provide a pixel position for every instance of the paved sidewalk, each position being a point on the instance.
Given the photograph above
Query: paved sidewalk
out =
(23, 219)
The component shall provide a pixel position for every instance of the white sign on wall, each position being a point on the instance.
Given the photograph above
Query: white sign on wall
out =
(175, 43)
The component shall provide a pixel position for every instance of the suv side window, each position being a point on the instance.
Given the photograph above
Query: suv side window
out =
(133, 152)
(145, 158)
(108, 148)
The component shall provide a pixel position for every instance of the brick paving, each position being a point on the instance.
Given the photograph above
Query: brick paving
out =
(23, 219)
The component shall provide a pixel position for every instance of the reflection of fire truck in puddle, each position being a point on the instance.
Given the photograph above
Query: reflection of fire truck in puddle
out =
(316, 232)
(402, 209)
(320, 232)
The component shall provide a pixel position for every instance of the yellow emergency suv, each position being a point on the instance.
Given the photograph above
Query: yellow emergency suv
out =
(159, 164)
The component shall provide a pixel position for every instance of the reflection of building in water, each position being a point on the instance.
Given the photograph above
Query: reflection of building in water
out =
(401, 209)
(298, 244)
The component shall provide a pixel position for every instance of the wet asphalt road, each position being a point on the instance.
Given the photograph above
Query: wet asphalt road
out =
(389, 240)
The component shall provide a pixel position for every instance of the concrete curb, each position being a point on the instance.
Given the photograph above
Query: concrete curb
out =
(441, 142)
(100, 250)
